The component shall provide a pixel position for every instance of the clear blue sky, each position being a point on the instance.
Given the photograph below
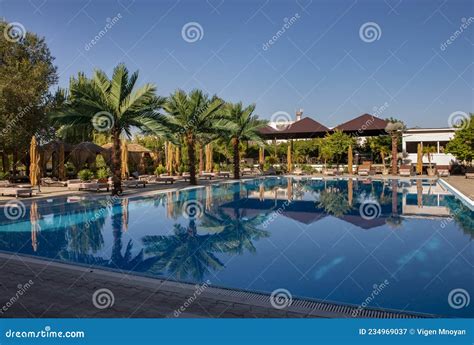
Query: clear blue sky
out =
(320, 63)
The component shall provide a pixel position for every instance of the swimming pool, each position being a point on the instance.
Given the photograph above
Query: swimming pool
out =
(404, 245)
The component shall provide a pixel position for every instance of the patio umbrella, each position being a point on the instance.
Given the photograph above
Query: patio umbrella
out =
(61, 171)
(261, 156)
(34, 162)
(288, 156)
(350, 159)
(350, 191)
(201, 160)
(34, 217)
(419, 159)
(207, 166)
(124, 168)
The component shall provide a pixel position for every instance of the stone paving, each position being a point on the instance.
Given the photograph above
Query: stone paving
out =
(462, 184)
(60, 290)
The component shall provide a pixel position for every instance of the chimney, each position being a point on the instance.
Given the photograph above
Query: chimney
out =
(299, 114)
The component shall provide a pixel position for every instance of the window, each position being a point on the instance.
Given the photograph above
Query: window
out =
(412, 146)
(442, 146)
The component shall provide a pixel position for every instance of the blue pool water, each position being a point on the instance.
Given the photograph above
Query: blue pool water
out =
(328, 240)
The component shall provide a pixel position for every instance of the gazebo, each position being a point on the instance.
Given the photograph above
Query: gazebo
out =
(85, 153)
(136, 155)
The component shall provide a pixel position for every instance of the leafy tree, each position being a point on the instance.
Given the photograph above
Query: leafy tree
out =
(462, 144)
(242, 125)
(193, 116)
(334, 146)
(113, 105)
(27, 73)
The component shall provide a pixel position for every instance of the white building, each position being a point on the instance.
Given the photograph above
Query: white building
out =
(437, 137)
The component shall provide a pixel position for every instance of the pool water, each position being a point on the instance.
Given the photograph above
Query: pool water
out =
(403, 245)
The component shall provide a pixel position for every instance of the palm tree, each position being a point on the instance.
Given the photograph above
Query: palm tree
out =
(394, 129)
(243, 125)
(193, 116)
(112, 105)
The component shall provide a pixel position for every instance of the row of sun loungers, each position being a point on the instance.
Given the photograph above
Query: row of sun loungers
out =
(7, 188)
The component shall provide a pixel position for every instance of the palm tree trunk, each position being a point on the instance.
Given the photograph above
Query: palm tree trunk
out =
(235, 146)
(394, 153)
(116, 163)
(192, 160)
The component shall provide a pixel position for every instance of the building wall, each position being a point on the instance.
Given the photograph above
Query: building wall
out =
(435, 137)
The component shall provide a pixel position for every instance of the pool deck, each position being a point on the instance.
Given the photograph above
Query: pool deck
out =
(63, 290)
(462, 184)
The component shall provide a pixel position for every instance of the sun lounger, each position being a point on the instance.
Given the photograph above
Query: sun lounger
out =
(270, 171)
(328, 172)
(207, 175)
(224, 174)
(16, 191)
(186, 176)
(133, 183)
(405, 170)
(48, 181)
(246, 171)
(443, 170)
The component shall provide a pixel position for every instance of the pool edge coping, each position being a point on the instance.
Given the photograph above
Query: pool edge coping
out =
(457, 193)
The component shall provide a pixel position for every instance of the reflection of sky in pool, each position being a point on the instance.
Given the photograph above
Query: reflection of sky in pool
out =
(249, 236)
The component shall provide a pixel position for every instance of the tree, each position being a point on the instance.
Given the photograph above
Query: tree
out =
(394, 129)
(462, 144)
(112, 105)
(193, 116)
(428, 151)
(27, 73)
(335, 145)
(242, 125)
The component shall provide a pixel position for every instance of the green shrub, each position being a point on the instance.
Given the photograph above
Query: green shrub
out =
(85, 175)
(160, 169)
(4, 175)
(102, 173)
(217, 167)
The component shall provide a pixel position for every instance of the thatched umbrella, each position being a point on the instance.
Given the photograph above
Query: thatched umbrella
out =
(85, 152)
(288, 158)
(350, 159)
(35, 168)
(61, 170)
(34, 217)
(177, 157)
(124, 159)
(419, 159)
(209, 162)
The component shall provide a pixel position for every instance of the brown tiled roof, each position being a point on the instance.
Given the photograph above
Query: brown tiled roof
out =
(306, 125)
(267, 130)
(365, 122)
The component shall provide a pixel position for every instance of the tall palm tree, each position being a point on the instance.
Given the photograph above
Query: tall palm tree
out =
(243, 125)
(193, 116)
(394, 129)
(115, 106)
